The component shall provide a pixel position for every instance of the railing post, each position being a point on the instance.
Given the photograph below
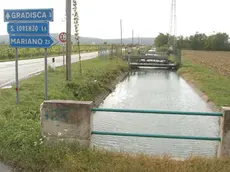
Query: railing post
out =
(179, 56)
(66, 120)
(224, 145)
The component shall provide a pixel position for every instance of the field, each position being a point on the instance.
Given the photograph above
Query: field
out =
(7, 53)
(209, 71)
(217, 60)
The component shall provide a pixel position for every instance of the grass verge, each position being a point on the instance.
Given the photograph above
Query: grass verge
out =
(212, 84)
(19, 124)
(41, 56)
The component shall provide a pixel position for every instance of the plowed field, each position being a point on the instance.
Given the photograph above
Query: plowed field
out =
(217, 60)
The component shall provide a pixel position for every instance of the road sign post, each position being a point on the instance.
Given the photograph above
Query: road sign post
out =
(62, 39)
(16, 75)
(63, 54)
(29, 28)
(46, 76)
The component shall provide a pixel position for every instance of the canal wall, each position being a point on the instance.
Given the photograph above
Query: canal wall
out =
(190, 80)
(111, 86)
(212, 86)
(199, 92)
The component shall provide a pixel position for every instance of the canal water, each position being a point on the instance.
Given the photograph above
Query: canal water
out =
(156, 89)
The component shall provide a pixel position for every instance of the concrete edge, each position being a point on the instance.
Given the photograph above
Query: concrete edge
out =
(100, 98)
(202, 95)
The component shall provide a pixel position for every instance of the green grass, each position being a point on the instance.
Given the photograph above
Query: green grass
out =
(22, 147)
(215, 86)
(20, 125)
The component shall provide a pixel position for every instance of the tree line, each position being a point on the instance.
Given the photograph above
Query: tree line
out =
(198, 41)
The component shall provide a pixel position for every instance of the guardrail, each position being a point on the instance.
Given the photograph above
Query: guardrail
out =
(77, 116)
(218, 114)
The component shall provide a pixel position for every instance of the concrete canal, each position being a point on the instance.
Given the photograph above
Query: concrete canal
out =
(156, 89)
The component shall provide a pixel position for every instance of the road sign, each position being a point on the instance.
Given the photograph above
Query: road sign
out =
(31, 41)
(62, 37)
(28, 14)
(28, 28)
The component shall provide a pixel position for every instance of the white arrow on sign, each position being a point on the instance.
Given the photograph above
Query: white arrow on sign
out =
(7, 16)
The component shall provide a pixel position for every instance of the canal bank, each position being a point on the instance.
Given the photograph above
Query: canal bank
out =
(21, 145)
(207, 81)
(110, 88)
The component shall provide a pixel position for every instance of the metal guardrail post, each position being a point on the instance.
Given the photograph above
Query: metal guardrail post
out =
(179, 57)
(224, 146)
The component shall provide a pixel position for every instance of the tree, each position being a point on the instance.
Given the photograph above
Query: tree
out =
(161, 40)
(219, 41)
(198, 41)
(76, 35)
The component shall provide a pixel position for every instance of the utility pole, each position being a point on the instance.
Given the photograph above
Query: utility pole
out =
(132, 36)
(68, 39)
(132, 42)
(175, 24)
(172, 29)
(121, 35)
(121, 30)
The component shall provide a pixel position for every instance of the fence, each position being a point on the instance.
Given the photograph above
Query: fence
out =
(73, 119)
(176, 57)
(162, 113)
(105, 51)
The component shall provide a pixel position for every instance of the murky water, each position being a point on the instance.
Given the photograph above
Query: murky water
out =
(156, 90)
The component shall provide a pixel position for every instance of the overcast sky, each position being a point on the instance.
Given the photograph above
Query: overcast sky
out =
(101, 18)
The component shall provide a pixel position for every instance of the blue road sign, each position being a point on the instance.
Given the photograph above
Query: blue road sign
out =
(28, 14)
(31, 41)
(28, 28)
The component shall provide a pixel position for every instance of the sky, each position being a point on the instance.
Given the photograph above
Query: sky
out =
(101, 18)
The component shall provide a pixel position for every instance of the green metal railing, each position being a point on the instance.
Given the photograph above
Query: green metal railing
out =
(156, 136)
(157, 112)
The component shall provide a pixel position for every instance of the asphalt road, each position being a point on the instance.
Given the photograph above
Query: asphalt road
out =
(30, 67)
(4, 168)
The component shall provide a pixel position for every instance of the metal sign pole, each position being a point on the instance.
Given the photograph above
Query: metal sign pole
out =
(16, 74)
(121, 35)
(46, 76)
(68, 40)
(63, 53)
